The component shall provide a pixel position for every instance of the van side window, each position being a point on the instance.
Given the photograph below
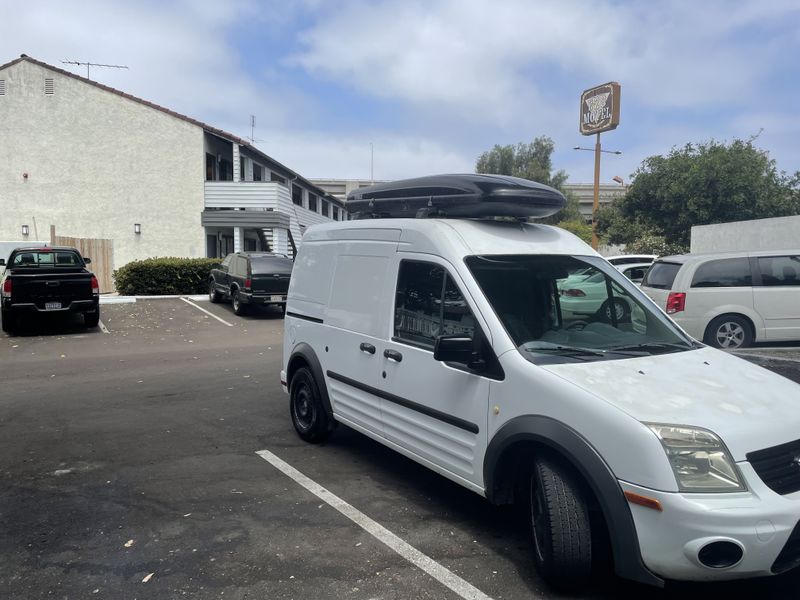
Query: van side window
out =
(726, 272)
(779, 270)
(429, 304)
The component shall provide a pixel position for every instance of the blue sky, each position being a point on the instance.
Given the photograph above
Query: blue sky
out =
(431, 84)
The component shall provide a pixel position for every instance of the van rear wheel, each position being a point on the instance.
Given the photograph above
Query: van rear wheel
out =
(309, 418)
(562, 536)
(729, 332)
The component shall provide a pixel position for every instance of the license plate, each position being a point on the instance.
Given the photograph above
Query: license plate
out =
(277, 298)
(52, 305)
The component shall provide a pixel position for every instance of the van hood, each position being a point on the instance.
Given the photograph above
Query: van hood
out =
(748, 407)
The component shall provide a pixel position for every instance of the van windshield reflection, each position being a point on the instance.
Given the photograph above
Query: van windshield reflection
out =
(570, 309)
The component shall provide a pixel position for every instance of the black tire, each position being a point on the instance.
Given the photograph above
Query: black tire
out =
(562, 534)
(239, 307)
(307, 411)
(213, 295)
(621, 310)
(91, 319)
(9, 321)
(729, 332)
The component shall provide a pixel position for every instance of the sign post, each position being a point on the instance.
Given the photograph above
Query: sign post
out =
(599, 112)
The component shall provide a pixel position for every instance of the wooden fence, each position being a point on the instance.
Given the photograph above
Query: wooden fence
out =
(99, 250)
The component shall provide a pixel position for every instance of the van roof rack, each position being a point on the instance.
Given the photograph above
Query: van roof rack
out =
(468, 196)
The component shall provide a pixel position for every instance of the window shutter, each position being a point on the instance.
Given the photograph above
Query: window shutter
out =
(2, 87)
(48, 86)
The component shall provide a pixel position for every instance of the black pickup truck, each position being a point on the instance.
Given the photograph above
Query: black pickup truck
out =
(48, 280)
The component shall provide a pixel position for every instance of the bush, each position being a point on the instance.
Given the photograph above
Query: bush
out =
(161, 276)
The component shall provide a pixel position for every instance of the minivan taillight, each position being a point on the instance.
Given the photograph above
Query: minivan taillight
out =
(676, 302)
(248, 283)
(95, 285)
(7, 288)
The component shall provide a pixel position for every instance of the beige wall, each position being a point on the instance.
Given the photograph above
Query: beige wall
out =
(97, 163)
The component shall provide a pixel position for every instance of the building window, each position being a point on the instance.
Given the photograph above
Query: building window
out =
(276, 177)
(335, 215)
(241, 168)
(297, 195)
(49, 88)
(225, 170)
(326, 208)
(256, 172)
(312, 202)
(211, 167)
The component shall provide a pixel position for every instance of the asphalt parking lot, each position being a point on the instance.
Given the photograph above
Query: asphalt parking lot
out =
(129, 469)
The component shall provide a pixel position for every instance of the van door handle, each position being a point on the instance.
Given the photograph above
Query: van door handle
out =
(393, 355)
(368, 348)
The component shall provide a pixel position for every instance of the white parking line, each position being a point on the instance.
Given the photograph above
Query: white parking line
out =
(102, 326)
(440, 573)
(210, 314)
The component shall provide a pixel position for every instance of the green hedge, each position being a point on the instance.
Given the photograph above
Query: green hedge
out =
(157, 276)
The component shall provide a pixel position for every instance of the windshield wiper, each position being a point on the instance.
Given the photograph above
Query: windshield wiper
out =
(571, 350)
(644, 347)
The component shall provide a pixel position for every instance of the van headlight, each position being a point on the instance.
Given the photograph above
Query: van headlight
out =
(699, 459)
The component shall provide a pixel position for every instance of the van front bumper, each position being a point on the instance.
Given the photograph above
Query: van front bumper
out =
(763, 524)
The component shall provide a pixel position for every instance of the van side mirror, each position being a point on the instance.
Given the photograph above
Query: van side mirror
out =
(457, 349)
(87, 260)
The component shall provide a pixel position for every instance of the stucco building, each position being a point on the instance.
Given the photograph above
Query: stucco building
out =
(84, 160)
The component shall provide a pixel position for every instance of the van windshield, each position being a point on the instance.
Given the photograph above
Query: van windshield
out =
(567, 309)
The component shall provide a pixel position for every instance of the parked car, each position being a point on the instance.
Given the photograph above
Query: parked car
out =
(730, 300)
(629, 259)
(48, 280)
(251, 278)
(446, 340)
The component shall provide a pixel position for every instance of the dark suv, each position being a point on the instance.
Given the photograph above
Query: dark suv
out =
(251, 278)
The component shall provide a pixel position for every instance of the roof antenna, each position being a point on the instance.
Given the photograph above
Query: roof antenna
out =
(252, 137)
(91, 64)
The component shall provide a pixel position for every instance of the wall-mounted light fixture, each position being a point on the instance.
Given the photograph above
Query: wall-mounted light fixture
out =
(137, 228)
(25, 230)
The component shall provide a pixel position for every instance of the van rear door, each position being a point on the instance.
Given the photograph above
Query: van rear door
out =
(658, 281)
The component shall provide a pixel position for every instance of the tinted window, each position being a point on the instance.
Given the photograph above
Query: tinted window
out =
(726, 272)
(46, 259)
(429, 304)
(240, 265)
(661, 275)
(629, 260)
(270, 264)
(779, 270)
(635, 274)
(227, 260)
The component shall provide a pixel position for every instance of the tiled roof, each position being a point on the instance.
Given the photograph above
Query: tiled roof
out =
(205, 126)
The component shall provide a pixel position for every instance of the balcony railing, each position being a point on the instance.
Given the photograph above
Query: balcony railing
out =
(248, 195)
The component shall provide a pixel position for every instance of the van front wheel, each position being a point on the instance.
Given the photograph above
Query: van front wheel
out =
(308, 414)
(562, 536)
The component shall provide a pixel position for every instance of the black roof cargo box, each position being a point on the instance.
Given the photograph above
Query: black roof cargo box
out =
(456, 196)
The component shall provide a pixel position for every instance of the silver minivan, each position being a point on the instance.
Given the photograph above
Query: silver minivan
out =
(731, 299)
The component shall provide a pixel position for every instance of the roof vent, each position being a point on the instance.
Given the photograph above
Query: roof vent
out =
(2, 87)
(48, 86)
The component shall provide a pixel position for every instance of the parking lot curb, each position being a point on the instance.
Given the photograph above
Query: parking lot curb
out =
(132, 299)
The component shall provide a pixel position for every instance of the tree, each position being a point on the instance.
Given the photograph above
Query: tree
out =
(699, 184)
(531, 161)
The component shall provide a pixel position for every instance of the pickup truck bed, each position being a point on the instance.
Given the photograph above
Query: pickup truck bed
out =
(48, 280)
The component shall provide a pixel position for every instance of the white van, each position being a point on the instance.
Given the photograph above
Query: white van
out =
(445, 339)
(731, 299)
